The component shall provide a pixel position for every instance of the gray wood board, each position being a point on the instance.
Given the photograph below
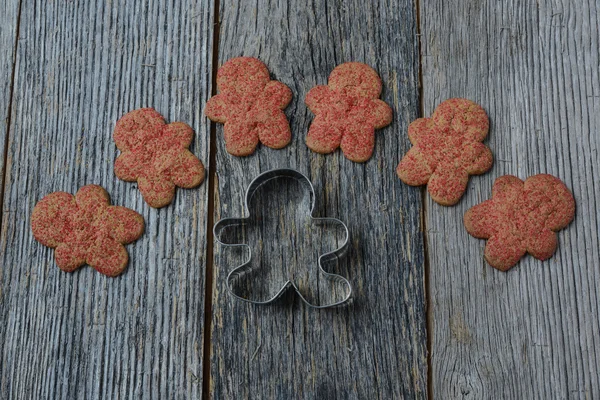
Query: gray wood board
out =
(9, 15)
(80, 66)
(531, 332)
(375, 348)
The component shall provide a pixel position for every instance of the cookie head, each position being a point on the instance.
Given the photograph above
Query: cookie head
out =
(243, 75)
(355, 79)
(521, 217)
(137, 127)
(447, 149)
(462, 117)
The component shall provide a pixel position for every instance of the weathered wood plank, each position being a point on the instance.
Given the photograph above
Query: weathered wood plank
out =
(376, 348)
(80, 66)
(9, 15)
(531, 332)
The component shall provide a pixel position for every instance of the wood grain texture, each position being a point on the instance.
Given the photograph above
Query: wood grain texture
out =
(531, 332)
(80, 66)
(375, 348)
(9, 15)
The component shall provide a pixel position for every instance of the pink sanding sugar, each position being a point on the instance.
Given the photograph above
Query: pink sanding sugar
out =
(521, 217)
(447, 149)
(156, 155)
(347, 112)
(250, 105)
(86, 229)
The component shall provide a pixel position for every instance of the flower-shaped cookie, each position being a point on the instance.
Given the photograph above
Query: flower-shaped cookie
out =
(347, 112)
(447, 149)
(156, 155)
(278, 274)
(250, 105)
(86, 229)
(521, 217)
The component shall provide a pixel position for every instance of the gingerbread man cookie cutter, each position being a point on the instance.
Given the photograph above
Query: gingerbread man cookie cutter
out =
(245, 267)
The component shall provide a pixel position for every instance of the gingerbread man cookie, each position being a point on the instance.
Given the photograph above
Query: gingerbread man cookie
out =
(86, 229)
(156, 155)
(347, 112)
(447, 149)
(251, 106)
(521, 217)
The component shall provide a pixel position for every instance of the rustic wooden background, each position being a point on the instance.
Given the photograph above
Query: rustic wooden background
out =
(430, 319)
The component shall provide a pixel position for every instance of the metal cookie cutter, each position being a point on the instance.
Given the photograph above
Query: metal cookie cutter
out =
(220, 229)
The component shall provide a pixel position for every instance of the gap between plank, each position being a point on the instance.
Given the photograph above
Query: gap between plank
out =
(212, 166)
(9, 116)
(428, 311)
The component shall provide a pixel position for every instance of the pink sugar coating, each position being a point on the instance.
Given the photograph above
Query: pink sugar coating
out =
(156, 155)
(250, 105)
(447, 149)
(347, 112)
(86, 229)
(521, 217)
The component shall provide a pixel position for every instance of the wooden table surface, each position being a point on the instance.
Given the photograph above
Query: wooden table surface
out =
(430, 318)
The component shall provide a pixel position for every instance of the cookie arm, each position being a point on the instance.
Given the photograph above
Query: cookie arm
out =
(217, 108)
(122, 224)
(507, 188)
(418, 128)
(378, 112)
(128, 166)
(318, 99)
(480, 220)
(447, 184)
(50, 218)
(232, 231)
(476, 158)
(560, 203)
(414, 169)
(180, 133)
(187, 170)
(277, 94)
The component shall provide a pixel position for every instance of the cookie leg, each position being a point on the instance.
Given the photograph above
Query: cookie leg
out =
(543, 245)
(504, 250)
(156, 190)
(274, 129)
(241, 137)
(108, 257)
(123, 224)
(323, 136)
(447, 184)
(358, 142)
(69, 257)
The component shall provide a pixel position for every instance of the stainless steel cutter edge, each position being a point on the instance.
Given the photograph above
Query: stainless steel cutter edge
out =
(337, 253)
